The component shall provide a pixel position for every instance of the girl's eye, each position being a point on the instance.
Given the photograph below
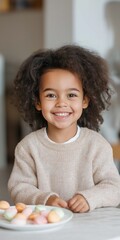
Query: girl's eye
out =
(72, 95)
(51, 95)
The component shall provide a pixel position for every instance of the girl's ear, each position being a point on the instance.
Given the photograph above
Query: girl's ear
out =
(38, 106)
(85, 102)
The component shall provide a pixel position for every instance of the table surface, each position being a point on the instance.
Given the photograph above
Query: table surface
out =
(100, 224)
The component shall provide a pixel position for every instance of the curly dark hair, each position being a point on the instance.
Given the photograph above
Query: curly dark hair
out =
(91, 69)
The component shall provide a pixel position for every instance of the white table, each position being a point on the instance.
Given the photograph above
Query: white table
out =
(101, 224)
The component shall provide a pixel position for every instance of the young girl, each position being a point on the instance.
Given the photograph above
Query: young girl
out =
(64, 162)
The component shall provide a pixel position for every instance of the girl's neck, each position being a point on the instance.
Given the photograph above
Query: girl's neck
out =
(61, 135)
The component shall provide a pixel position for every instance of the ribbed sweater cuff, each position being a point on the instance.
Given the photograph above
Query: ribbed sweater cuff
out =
(89, 200)
(42, 199)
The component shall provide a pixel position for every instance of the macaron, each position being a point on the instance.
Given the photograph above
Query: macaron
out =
(10, 213)
(20, 222)
(60, 212)
(27, 211)
(19, 219)
(20, 207)
(40, 219)
(53, 217)
(39, 208)
(4, 205)
(33, 215)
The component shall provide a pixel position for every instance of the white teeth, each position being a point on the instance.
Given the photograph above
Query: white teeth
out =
(61, 114)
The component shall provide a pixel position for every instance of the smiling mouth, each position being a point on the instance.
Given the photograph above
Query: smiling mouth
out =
(61, 114)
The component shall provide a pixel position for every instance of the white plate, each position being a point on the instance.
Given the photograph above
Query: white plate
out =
(33, 227)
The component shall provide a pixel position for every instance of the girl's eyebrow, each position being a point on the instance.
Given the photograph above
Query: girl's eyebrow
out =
(48, 89)
(69, 89)
(74, 89)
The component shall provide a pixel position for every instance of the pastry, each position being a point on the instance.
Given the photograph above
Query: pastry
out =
(40, 219)
(10, 213)
(4, 205)
(20, 207)
(53, 217)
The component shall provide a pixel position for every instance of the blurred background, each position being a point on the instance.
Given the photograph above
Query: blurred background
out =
(29, 25)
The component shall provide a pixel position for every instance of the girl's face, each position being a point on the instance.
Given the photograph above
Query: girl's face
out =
(61, 99)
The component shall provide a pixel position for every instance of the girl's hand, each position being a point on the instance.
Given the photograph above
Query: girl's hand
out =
(78, 204)
(56, 201)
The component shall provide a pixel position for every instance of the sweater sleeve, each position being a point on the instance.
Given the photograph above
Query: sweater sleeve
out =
(22, 183)
(106, 189)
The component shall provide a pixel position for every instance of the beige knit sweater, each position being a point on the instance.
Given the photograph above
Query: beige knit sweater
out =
(85, 166)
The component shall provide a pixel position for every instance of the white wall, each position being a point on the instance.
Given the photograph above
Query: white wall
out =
(96, 26)
(21, 33)
(77, 21)
(90, 25)
(58, 22)
(2, 114)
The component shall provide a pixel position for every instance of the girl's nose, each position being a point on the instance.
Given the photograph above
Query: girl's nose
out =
(61, 102)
